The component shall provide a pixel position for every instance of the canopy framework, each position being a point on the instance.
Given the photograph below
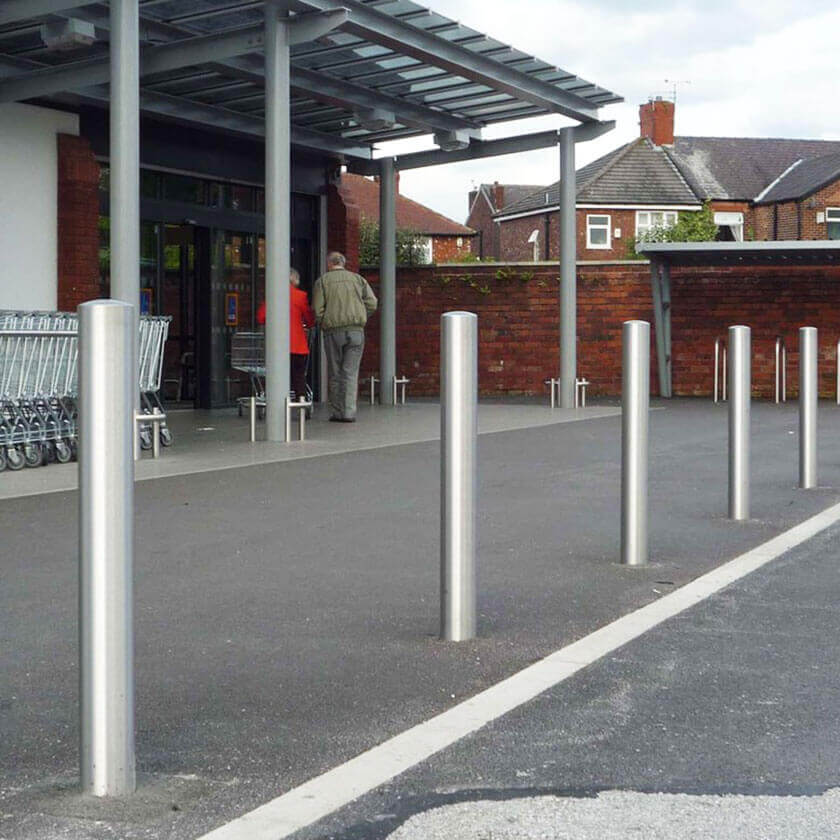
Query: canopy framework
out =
(344, 75)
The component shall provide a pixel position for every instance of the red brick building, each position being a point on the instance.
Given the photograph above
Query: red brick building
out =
(758, 188)
(484, 203)
(443, 238)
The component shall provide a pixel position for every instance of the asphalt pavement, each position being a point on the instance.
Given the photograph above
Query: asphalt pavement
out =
(287, 613)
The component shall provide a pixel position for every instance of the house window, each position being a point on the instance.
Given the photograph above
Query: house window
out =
(832, 222)
(424, 247)
(730, 227)
(598, 232)
(648, 220)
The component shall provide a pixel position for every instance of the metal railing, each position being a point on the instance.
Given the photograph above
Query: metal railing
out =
(720, 369)
(781, 370)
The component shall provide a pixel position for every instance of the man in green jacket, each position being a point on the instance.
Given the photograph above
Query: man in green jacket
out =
(342, 301)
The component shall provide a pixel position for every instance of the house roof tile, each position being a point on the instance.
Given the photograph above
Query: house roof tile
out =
(804, 178)
(636, 173)
(740, 168)
(411, 215)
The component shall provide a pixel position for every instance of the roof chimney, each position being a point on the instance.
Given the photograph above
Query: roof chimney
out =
(656, 118)
(498, 195)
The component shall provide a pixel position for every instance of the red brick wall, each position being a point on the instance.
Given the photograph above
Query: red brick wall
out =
(343, 220)
(446, 248)
(514, 235)
(519, 322)
(798, 219)
(78, 216)
(486, 244)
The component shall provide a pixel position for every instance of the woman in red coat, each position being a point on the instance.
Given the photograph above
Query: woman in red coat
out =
(300, 316)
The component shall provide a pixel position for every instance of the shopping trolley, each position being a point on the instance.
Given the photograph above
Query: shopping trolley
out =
(247, 354)
(38, 359)
(38, 385)
(154, 330)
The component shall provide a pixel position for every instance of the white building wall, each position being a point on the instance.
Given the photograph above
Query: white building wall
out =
(29, 204)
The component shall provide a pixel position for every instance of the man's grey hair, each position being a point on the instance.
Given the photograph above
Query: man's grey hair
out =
(294, 277)
(337, 259)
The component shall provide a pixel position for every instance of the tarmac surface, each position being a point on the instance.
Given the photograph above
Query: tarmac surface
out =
(286, 620)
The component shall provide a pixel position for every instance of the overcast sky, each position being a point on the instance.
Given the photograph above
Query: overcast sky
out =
(757, 68)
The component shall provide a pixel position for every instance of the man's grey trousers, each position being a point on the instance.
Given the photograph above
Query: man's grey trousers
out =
(344, 355)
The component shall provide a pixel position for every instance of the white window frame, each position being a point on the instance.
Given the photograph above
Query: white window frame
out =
(603, 246)
(427, 244)
(669, 219)
(734, 221)
(832, 217)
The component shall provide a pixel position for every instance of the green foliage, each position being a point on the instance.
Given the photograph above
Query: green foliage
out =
(691, 226)
(410, 245)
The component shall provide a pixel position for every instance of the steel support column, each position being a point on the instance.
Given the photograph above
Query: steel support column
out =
(387, 280)
(323, 375)
(660, 284)
(278, 179)
(568, 268)
(125, 151)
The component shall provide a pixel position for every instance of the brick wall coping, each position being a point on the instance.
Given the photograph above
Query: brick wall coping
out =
(465, 266)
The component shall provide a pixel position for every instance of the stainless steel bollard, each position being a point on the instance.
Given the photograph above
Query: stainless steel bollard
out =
(808, 351)
(156, 432)
(107, 372)
(739, 422)
(458, 436)
(635, 404)
(252, 415)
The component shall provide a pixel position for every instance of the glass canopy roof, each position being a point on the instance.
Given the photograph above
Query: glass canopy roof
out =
(392, 69)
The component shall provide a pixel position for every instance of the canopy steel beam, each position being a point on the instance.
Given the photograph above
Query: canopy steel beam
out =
(484, 149)
(325, 88)
(160, 59)
(12, 11)
(188, 112)
(406, 39)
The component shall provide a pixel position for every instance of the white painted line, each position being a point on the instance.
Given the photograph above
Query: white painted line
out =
(340, 786)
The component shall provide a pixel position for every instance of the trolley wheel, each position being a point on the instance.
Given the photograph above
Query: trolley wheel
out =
(14, 458)
(2, 460)
(48, 449)
(63, 451)
(166, 436)
(145, 439)
(74, 450)
(33, 455)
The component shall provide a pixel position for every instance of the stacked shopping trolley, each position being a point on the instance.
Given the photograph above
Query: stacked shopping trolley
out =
(38, 385)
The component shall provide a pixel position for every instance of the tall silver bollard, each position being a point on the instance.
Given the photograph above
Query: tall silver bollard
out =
(458, 435)
(739, 422)
(808, 350)
(107, 373)
(635, 403)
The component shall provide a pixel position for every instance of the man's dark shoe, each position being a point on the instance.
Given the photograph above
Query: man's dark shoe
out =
(335, 419)
(348, 419)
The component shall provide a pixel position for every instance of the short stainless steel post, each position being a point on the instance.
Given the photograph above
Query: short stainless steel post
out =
(838, 373)
(302, 423)
(156, 432)
(717, 367)
(458, 435)
(635, 403)
(252, 414)
(739, 422)
(107, 372)
(725, 371)
(288, 420)
(394, 401)
(784, 372)
(778, 369)
(808, 350)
